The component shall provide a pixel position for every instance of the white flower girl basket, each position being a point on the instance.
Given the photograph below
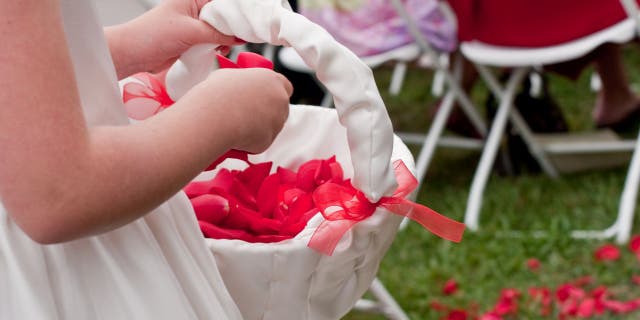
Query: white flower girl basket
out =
(288, 280)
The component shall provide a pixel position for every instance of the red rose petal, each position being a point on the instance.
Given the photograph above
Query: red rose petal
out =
(622, 307)
(607, 252)
(438, 306)
(198, 188)
(243, 218)
(224, 62)
(222, 182)
(457, 315)
(489, 316)
(231, 154)
(211, 208)
(253, 60)
(287, 176)
(306, 175)
(634, 244)
(213, 231)
(569, 308)
(586, 308)
(253, 176)
(267, 198)
(583, 281)
(450, 287)
(533, 264)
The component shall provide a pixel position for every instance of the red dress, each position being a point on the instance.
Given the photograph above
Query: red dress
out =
(533, 23)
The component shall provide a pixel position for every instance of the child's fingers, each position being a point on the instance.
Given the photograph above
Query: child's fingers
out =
(288, 87)
(204, 33)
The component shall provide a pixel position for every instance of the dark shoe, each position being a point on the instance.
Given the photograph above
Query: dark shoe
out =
(628, 127)
(542, 115)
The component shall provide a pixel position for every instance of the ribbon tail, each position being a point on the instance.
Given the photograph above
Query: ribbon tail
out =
(328, 234)
(407, 182)
(438, 224)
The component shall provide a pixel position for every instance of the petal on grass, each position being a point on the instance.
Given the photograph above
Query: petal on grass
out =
(457, 315)
(450, 287)
(634, 244)
(607, 252)
(533, 264)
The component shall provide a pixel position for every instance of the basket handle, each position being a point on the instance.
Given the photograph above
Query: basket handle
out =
(357, 99)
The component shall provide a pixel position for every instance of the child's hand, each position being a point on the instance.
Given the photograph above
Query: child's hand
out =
(255, 102)
(153, 41)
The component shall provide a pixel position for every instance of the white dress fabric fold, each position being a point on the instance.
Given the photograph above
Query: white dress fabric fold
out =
(157, 267)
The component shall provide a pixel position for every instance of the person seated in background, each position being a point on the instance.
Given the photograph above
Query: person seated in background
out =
(370, 27)
(541, 23)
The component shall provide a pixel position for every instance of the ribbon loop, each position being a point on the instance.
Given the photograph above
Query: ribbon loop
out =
(342, 207)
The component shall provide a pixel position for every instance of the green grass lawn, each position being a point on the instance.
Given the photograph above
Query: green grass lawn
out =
(418, 264)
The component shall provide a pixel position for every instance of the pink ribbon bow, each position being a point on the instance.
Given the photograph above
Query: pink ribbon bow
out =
(143, 100)
(343, 206)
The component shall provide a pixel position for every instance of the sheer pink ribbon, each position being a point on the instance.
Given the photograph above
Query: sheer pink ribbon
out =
(145, 99)
(343, 206)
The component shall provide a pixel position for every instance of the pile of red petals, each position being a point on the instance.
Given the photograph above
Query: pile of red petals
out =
(581, 298)
(255, 205)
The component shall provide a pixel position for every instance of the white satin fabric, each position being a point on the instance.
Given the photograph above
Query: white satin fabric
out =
(157, 267)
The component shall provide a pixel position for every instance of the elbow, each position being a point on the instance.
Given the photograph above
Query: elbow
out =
(45, 226)
(44, 233)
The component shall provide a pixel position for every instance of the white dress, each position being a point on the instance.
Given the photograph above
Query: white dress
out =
(157, 267)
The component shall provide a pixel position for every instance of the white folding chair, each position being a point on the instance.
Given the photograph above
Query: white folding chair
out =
(621, 228)
(455, 93)
(545, 148)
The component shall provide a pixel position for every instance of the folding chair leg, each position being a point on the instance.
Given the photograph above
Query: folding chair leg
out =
(629, 197)
(520, 124)
(397, 78)
(487, 159)
(621, 228)
(389, 307)
(431, 141)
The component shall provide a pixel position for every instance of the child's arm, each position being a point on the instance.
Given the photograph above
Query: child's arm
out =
(153, 41)
(61, 180)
